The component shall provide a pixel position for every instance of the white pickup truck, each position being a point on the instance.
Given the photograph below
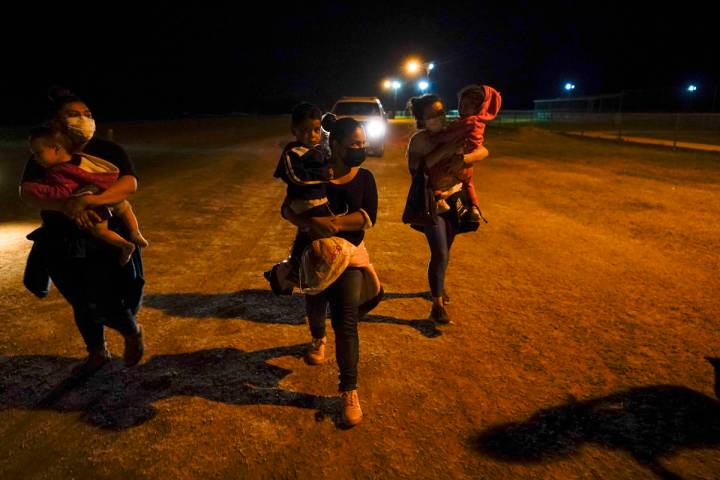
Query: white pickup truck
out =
(369, 112)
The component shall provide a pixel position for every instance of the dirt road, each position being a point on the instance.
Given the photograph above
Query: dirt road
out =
(583, 313)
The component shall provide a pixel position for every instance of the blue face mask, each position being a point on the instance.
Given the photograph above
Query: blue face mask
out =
(355, 156)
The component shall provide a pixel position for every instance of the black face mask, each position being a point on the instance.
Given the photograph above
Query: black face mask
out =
(355, 156)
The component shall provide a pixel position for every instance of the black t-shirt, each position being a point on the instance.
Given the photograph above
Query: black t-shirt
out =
(97, 147)
(358, 193)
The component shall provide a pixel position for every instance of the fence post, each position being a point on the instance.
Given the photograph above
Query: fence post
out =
(677, 126)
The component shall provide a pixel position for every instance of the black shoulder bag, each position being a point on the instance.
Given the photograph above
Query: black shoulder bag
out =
(420, 205)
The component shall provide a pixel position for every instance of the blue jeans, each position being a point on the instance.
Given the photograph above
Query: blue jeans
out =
(440, 238)
(343, 296)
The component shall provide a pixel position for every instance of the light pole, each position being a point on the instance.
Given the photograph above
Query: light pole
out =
(428, 68)
(692, 90)
(395, 86)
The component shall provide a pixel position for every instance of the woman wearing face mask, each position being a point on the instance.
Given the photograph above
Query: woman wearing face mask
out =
(429, 113)
(85, 270)
(352, 196)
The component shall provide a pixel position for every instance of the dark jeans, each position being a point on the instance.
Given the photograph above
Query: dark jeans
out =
(343, 297)
(93, 308)
(440, 238)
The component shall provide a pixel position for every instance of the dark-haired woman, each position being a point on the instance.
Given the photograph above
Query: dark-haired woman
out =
(84, 269)
(429, 113)
(352, 191)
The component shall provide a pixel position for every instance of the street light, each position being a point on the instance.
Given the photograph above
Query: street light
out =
(387, 84)
(412, 67)
(423, 85)
(692, 88)
(569, 87)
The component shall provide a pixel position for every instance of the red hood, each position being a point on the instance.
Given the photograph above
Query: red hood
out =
(491, 105)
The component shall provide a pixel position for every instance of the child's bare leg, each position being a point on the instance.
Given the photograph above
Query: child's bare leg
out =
(467, 179)
(466, 175)
(126, 214)
(101, 231)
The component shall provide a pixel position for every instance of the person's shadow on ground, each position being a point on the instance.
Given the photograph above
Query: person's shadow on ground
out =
(646, 422)
(264, 307)
(120, 398)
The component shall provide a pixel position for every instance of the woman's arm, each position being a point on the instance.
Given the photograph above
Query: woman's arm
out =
(458, 162)
(423, 149)
(318, 226)
(125, 186)
(365, 217)
(351, 222)
(442, 152)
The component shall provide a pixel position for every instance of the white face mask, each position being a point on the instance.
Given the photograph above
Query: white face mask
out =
(81, 128)
(434, 124)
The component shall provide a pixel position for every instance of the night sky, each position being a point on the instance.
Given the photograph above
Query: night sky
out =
(156, 61)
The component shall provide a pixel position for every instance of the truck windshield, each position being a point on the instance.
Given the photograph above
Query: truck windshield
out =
(357, 108)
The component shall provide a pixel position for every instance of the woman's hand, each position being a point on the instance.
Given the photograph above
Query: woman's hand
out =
(322, 227)
(460, 161)
(443, 151)
(86, 219)
(74, 205)
(452, 148)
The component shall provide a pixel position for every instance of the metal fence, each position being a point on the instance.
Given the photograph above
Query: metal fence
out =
(679, 129)
(673, 129)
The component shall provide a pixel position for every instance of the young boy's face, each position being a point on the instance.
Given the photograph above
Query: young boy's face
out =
(45, 153)
(307, 132)
(469, 106)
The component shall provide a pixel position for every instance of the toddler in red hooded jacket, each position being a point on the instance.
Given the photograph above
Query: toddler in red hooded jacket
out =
(477, 105)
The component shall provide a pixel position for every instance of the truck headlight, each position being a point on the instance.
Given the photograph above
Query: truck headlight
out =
(375, 129)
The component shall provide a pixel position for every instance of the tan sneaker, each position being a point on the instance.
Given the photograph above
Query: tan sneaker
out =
(316, 352)
(351, 411)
